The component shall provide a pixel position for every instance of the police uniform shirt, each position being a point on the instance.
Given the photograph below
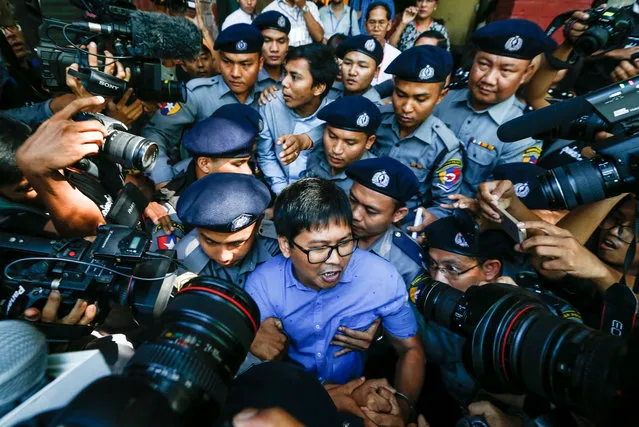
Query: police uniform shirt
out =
(337, 91)
(400, 250)
(266, 80)
(204, 96)
(419, 150)
(318, 167)
(477, 131)
(278, 120)
(197, 261)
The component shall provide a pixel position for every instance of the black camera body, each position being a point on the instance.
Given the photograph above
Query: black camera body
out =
(606, 27)
(116, 267)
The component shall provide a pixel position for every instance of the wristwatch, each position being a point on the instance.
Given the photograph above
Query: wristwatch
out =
(306, 8)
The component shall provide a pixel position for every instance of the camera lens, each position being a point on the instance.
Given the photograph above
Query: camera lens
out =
(130, 150)
(205, 334)
(442, 304)
(172, 91)
(592, 40)
(579, 183)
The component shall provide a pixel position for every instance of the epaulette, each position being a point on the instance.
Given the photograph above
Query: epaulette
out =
(408, 246)
(203, 81)
(447, 136)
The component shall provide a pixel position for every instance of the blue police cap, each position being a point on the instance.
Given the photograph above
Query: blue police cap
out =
(224, 202)
(240, 38)
(220, 137)
(515, 38)
(272, 20)
(354, 113)
(525, 179)
(458, 233)
(367, 45)
(385, 175)
(423, 64)
(237, 111)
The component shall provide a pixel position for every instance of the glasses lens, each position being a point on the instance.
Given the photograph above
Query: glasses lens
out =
(319, 255)
(347, 248)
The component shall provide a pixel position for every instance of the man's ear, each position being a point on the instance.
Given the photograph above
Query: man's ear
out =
(261, 61)
(285, 246)
(370, 141)
(318, 89)
(400, 214)
(492, 268)
(204, 164)
(377, 71)
(530, 70)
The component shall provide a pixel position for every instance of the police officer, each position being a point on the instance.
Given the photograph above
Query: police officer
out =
(411, 134)
(501, 65)
(349, 133)
(240, 48)
(361, 57)
(381, 188)
(226, 210)
(275, 28)
(216, 144)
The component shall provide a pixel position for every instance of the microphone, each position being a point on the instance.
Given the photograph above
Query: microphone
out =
(154, 35)
(544, 120)
(23, 362)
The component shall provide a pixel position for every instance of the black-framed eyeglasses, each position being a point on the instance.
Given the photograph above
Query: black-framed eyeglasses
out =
(449, 271)
(625, 233)
(321, 254)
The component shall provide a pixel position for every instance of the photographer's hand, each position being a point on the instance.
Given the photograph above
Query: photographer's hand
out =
(156, 213)
(576, 25)
(127, 114)
(351, 339)
(270, 341)
(493, 416)
(81, 314)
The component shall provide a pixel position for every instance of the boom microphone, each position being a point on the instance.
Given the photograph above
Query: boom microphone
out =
(154, 35)
(544, 120)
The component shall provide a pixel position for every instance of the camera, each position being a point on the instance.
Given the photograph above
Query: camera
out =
(514, 344)
(119, 146)
(179, 376)
(137, 39)
(605, 27)
(116, 267)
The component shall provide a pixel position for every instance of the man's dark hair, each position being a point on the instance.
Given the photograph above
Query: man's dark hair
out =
(13, 133)
(375, 4)
(434, 34)
(334, 41)
(309, 204)
(321, 63)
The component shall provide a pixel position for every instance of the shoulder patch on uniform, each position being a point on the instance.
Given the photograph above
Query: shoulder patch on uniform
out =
(447, 136)
(449, 174)
(386, 109)
(169, 108)
(531, 155)
(408, 246)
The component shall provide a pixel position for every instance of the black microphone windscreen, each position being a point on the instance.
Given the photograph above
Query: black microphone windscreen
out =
(156, 35)
(543, 120)
(23, 362)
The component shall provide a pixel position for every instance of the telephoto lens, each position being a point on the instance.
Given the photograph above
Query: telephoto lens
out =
(206, 332)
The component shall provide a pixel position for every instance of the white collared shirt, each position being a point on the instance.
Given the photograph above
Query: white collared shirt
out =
(299, 34)
(237, 17)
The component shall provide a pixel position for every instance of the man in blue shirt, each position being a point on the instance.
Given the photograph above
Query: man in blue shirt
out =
(322, 281)
(310, 72)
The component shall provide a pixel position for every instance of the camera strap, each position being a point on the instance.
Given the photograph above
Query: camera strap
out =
(630, 254)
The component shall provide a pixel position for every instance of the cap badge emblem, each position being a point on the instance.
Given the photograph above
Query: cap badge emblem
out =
(241, 45)
(381, 179)
(363, 120)
(522, 189)
(514, 43)
(369, 45)
(241, 221)
(426, 73)
(460, 241)
(281, 22)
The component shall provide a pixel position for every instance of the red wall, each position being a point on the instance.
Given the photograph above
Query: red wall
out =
(539, 11)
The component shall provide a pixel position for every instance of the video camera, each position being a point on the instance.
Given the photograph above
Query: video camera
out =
(615, 109)
(180, 376)
(117, 267)
(138, 39)
(516, 345)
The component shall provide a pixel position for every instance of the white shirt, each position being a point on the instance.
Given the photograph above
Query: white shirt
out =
(390, 53)
(299, 34)
(237, 17)
(333, 25)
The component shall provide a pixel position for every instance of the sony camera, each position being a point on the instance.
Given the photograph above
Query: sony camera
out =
(117, 267)
(515, 344)
(179, 376)
(119, 146)
(606, 27)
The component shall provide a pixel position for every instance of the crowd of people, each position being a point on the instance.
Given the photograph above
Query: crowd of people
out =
(331, 162)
